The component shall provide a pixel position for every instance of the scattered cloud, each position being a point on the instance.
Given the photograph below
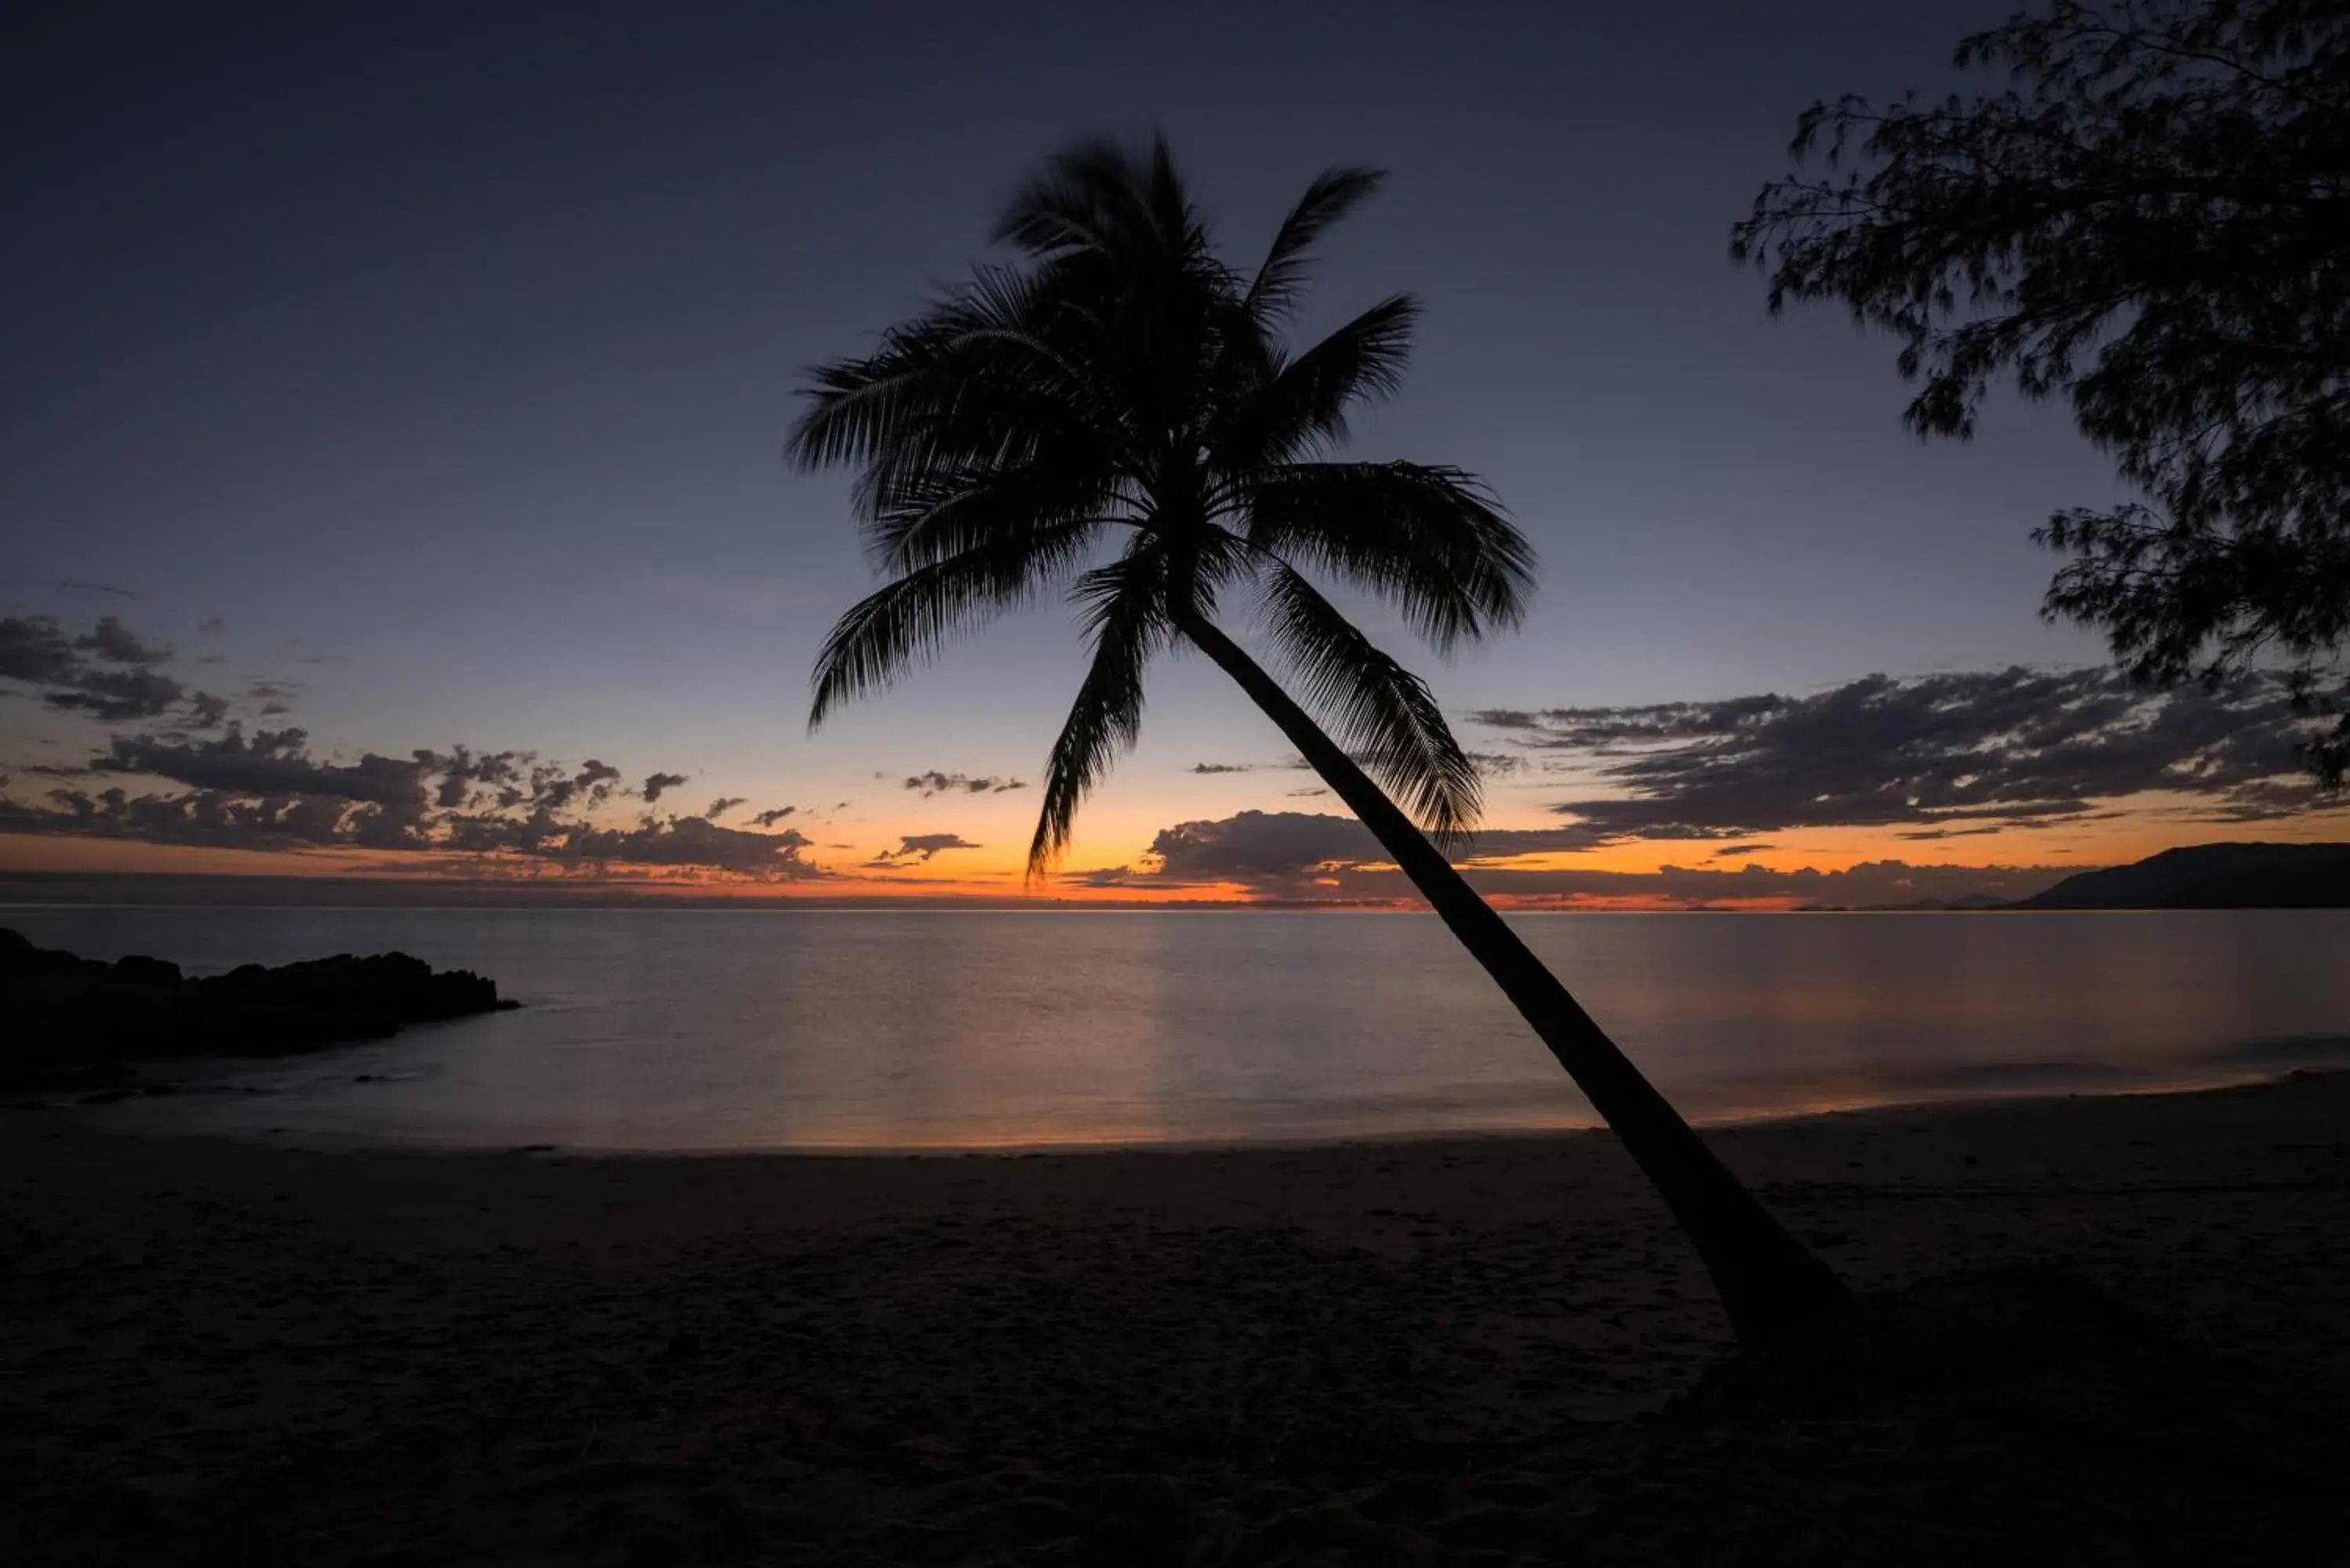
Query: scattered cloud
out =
(117, 696)
(918, 848)
(269, 762)
(1226, 767)
(936, 782)
(657, 785)
(268, 790)
(110, 639)
(106, 672)
(212, 626)
(1936, 756)
(1728, 850)
(1302, 855)
(33, 649)
(83, 587)
(723, 804)
(773, 815)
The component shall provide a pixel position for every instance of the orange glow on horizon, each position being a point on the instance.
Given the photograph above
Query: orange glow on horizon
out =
(1119, 838)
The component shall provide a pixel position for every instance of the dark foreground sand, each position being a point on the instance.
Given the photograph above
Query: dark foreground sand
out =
(1424, 1353)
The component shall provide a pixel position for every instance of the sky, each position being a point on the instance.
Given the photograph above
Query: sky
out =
(391, 460)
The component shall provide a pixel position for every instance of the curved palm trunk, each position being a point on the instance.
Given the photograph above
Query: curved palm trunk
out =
(1768, 1281)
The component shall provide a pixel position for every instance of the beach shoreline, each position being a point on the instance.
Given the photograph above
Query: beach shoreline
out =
(525, 1357)
(160, 1107)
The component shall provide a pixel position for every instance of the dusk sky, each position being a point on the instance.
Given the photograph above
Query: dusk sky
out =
(417, 376)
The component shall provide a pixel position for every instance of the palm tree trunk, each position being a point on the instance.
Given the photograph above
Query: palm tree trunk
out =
(1769, 1282)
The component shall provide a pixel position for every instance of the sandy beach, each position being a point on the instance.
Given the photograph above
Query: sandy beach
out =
(1457, 1351)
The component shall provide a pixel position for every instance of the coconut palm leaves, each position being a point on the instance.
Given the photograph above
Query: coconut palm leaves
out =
(1114, 416)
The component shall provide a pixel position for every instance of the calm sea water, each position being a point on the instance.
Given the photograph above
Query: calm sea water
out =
(773, 1028)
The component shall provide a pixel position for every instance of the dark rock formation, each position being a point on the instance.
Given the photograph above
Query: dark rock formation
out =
(77, 1022)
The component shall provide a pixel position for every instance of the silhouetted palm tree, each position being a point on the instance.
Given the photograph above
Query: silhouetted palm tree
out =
(1116, 415)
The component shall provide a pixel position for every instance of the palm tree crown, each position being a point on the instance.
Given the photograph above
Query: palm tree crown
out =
(1116, 416)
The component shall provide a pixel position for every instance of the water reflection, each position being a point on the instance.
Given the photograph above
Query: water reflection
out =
(703, 1029)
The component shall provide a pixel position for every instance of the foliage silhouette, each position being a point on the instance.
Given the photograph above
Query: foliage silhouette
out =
(1115, 415)
(2152, 220)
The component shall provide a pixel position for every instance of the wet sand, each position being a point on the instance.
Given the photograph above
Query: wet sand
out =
(1455, 1351)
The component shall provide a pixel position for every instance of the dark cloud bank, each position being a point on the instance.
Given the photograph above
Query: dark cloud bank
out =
(1935, 756)
(268, 791)
(194, 776)
(1298, 855)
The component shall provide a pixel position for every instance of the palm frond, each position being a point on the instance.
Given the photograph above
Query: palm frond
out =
(1430, 540)
(1301, 406)
(904, 622)
(919, 518)
(975, 379)
(1382, 714)
(1334, 192)
(1125, 616)
(1102, 198)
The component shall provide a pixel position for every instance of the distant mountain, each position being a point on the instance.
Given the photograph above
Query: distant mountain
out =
(2212, 877)
(1964, 902)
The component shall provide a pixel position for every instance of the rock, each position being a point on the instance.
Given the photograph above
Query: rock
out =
(76, 1022)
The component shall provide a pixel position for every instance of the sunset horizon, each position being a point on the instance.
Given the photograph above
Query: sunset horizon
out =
(1243, 785)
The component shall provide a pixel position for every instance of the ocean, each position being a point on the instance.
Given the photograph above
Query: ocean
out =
(884, 1029)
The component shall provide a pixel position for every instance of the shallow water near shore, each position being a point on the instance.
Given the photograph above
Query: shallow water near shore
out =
(885, 1028)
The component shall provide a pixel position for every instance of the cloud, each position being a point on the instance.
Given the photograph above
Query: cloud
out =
(1727, 850)
(212, 626)
(1307, 793)
(935, 783)
(1933, 754)
(79, 586)
(110, 639)
(917, 848)
(772, 816)
(677, 842)
(723, 804)
(271, 762)
(1302, 856)
(1226, 767)
(1255, 846)
(33, 649)
(106, 672)
(118, 696)
(268, 791)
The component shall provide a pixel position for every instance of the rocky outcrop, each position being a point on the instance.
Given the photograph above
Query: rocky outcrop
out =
(77, 1022)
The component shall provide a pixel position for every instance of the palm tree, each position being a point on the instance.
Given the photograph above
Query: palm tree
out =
(1115, 415)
